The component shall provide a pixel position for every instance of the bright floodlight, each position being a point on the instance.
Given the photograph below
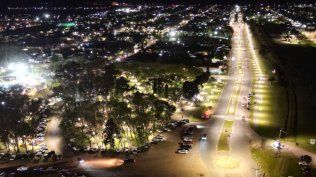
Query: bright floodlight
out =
(277, 144)
(19, 69)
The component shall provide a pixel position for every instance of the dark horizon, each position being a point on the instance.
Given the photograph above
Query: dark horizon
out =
(12, 3)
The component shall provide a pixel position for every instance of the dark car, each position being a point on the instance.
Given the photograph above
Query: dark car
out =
(185, 146)
(307, 171)
(129, 160)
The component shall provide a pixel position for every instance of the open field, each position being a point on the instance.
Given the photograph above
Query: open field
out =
(303, 75)
(273, 164)
(269, 110)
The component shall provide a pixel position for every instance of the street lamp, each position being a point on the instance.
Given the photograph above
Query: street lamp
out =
(280, 133)
(257, 171)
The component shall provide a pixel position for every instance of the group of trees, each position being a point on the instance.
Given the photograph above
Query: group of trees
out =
(19, 117)
(166, 80)
(99, 106)
(191, 89)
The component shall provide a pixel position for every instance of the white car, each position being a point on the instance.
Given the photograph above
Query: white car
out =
(182, 151)
(12, 157)
(204, 137)
(303, 163)
(44, 148)
(2, 174)
(22, 168)
(159, 139)
(40, 134)
(75, 148)
(86, 149)
(167, 129)
(40, 138)
(187, 139)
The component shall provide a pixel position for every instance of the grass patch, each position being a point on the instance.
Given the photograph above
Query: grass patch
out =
(269, 112)
(303, 142)
(296, 59)
(223, 144)
(210, 93)
(195, 114)
(285, 165)
(268, 115)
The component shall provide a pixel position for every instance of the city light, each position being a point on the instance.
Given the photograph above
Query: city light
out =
(19, 70)
(172, 33)
(46, 15)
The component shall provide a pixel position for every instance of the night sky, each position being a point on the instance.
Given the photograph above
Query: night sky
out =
(77, 2)
(12, 3)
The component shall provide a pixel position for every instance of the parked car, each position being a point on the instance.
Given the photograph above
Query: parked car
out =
(12, 157)
(93, 150)
(86, 149)
(38, 169)
(159, 138)
(76, 148)
(187, 139)
(307, 171)
(51, 169)
(204, 137)
(185, 146)
(22, 168)
(129, 160)
(80, 160)
(185, 120)
(182, 151)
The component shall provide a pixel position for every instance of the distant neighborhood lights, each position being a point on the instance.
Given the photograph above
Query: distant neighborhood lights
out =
(46, 16)
(126, 10)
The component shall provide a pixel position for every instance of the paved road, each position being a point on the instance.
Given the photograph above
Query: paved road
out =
(240, 78)
(54, 139)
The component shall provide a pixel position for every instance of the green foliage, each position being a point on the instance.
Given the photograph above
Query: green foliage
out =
(18, 114)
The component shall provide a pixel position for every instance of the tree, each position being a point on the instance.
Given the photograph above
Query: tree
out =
(110, 132)
(16, 111)
(166, 91)
(190, 89)
(121, 85)
(201, 79)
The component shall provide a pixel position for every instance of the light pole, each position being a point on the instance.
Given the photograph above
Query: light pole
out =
(256, 171)
(280, 133)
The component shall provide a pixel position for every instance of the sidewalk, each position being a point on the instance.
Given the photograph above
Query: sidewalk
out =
(294, 149)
